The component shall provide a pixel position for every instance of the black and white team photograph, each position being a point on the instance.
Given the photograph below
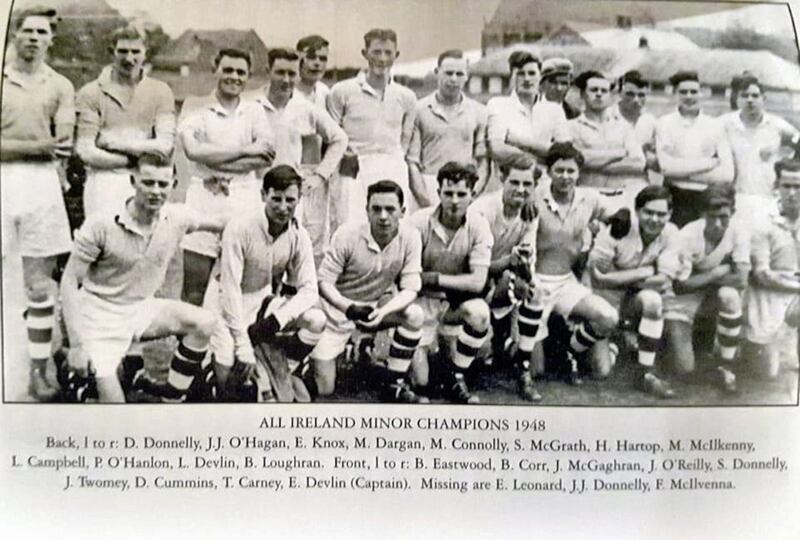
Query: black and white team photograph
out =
(530, 202)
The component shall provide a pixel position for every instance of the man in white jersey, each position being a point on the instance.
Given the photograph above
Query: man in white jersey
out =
(314, 51)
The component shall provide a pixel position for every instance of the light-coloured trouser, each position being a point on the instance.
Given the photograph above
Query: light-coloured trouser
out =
(110, 328)
(244, 197)
(766, 312)
(313, 213)
(221, 343)
(34, 216)
(106, 190)
(352, 202)
(559, 293)
(431, 187)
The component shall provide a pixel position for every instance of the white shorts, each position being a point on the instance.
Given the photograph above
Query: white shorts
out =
(244, 197)
(109, 328)
(371, 168)
(221, 343)
(338, 329)
(766, 312)
(434, 310)
(557, 293)
(106, 190)
(431, 186)
(34, 216)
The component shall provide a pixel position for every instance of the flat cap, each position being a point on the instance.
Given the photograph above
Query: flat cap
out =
(556, 66)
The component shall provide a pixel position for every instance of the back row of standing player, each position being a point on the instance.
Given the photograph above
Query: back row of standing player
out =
(126, 120)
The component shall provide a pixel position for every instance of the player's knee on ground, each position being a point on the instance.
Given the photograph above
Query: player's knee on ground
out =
(413, 317)
(651, 304)
(730, 301)
(476, 314)
(313, 320)
(325, 376)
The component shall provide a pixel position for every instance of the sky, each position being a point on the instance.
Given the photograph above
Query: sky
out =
(423, 26)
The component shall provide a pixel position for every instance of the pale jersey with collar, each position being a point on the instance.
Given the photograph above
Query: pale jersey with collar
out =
(506, 232)
(507, 114)
(689, 254)
(318, 95)
(126, 264)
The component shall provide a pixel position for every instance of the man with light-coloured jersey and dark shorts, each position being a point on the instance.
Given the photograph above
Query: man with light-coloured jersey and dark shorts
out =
(456, 255)
(377, 113)
(265, 257)
(692, 149)
(513, 223)
(709, 268)
(36, 99)
(118, 263)
(626, 272)
(362, 266)
(448, 126)
(229, 143)
(123, 115)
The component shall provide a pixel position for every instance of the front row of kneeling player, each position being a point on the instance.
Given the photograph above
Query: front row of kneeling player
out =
(457, 272)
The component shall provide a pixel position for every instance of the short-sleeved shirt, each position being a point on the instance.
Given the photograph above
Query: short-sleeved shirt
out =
(542, 121)
(698, 137)
(644, 127)
(439, 137)
(252, 259)
(31, 105)
(564, 231)
(468, 248)
(298, 119)
(103, 107)
(125, 264)
(209, 122)
(612, 132)
(689, 253)
(360, 270)
(318, 96)
(612, 255)
(507, 233)
(756, 150)
(777, 247)
(375, 123)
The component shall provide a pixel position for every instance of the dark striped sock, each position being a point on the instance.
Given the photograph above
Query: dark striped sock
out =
(401, 350)
(729, 326)
(39, 320)
(182, 370)
(468, 344)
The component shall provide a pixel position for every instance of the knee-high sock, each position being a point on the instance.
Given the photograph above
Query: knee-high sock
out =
(468, 343)
(401, 350)
(530, 317)
(184, 366)
(650, 331)
(39, 323)
(300, 344)
(729, 326)
(583, 338)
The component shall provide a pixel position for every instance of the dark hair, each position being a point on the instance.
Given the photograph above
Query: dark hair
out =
(635, 78)
(787, 165)
(747, 81)
(311, 44)
(718, 196)
(583, 78)
(39, 11)
(454, 172)
(282, 54)
(458, 54)
(386, 186)
(652, 193)
(232, 53)
(281, 177)
(519, 59)
(382, 34)
(521, 162)
(563, 150)
(129, 32)
(682, 76)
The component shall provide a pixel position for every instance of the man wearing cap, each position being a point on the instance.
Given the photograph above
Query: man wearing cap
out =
(35, 99)
(314, 51)
(377, 114)
(228, 141)
(556, 81)
(306, 138)
(524, 122)
(709, 268)
(118, 263)
(614, 159)
(692, 148)
(122, 116)
(448, 126)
